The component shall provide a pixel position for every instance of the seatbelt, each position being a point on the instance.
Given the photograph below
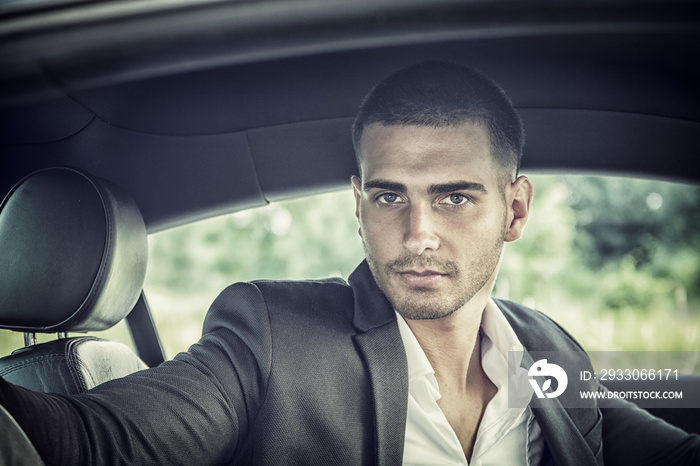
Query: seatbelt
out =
(144, 334)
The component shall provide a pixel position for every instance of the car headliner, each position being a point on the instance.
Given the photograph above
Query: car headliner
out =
(202, 108)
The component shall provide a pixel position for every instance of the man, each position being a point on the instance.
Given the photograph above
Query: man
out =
(408, 363)
(437, 199)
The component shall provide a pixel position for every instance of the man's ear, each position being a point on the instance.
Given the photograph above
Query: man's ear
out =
(357, 192)
(519, 198)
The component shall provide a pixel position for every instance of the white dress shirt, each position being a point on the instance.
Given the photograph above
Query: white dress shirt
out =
(505, 435)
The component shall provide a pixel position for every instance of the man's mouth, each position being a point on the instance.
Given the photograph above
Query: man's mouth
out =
(421, 278)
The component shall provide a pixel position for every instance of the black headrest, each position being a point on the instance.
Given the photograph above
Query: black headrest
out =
(73, 253)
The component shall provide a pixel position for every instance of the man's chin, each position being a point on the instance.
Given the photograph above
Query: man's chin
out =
(417, 302)
(424, 313)
(420, 305)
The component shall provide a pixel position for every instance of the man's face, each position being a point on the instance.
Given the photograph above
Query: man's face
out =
(433, 215)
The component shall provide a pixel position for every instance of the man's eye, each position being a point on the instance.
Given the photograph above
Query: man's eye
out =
(388, 198)
(456, 199)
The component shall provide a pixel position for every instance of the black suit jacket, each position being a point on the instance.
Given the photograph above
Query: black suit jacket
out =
(309, 372)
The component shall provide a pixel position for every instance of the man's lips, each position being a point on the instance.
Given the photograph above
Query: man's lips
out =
(422, 272)
(421, 278)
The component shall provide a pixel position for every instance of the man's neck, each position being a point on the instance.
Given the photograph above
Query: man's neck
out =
(449, 343)
(453, 347)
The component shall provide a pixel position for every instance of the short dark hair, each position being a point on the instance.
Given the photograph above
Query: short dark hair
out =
(442, 94)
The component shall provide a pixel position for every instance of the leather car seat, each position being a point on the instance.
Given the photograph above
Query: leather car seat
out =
(73, 253)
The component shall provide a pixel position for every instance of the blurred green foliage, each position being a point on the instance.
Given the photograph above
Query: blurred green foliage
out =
(615, 261)
(631, 244)
(311, 237)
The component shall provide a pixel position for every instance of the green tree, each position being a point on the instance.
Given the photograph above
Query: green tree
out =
(642, 235)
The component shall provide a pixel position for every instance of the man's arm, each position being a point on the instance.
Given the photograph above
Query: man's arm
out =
(195, 409)
(632, 436)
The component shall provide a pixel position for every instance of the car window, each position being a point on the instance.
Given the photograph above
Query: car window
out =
(615, 261)
(306, 238)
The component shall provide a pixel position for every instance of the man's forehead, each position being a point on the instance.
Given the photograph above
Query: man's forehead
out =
(437, 154)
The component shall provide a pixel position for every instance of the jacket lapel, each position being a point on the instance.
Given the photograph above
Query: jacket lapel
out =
(382, 348)
(565, 443)
(382, 355)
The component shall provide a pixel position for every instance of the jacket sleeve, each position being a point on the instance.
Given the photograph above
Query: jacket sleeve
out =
(632, 436)
(195, 409)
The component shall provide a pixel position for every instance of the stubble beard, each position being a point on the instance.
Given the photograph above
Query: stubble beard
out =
(422, 303)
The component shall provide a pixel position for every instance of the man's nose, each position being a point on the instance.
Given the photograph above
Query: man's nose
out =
(421, 234)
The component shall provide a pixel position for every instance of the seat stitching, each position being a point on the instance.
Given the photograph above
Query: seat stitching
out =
(28, 362)
(76, 363)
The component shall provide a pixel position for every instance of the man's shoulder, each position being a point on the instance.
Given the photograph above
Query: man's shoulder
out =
(333, 290)
(300, 284)
(536, 330)
(289, 298)
(297, 288)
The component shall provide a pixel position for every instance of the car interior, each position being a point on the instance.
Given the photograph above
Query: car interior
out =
(159, 114)
(76, 264)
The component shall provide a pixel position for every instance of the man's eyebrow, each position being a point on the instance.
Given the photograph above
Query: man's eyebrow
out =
(384, 184)
(443, 188)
